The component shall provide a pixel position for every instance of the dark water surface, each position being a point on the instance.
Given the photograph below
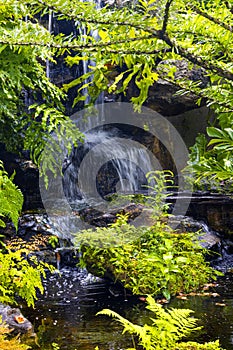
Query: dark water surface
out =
(215, 313)
(66, 314)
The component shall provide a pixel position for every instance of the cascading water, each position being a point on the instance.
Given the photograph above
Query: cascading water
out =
(87, 63)
(110, 166)
(50, 25)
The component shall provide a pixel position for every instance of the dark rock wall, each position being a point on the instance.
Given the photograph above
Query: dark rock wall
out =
(26, 177)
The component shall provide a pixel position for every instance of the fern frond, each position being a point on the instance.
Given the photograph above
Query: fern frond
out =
(167, 329)
(128, 326)
(11, 198)
(175, 321)
(185, 324)
(196, 346)
(144, 333)
(10, 344)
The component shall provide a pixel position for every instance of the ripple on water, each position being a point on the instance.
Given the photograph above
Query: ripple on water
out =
(66, 313)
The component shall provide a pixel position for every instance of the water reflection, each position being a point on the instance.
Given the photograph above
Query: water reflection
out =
(215, 313)
(66, 314)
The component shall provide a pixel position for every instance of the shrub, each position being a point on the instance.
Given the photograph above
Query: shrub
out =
(147, 260)
(158, 262)
(20, 276)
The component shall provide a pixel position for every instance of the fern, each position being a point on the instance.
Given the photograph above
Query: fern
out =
(166, 331)
(20, 276)
(172, 325)
(11, 198)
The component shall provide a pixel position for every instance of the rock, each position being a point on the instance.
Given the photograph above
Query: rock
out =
(209, 239)
(36, 234)
(101, 219)
(14, 319)
(162, 95)
(132, 210)
(66, 256)
(215, 209)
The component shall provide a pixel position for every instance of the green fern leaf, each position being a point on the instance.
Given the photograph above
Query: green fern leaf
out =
(11, 198)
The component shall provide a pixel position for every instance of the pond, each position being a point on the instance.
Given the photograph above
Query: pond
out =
(66, 313)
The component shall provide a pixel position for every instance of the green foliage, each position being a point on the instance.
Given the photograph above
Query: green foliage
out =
(196, 346)
(20, 276)
(132, 41)
(53, 241)
(167, 331)
(158, 262)
(147, 260)
(117, 234)
(135, 39)
(161, 183)
(212, 161)
(23, 79)
(11, 198)
(12, 343)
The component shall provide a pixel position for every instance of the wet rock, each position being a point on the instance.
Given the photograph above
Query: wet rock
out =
(215, 209)
(66, 256)
(101, 219)
(33, 234)
(145, 218)
(29, 225)
(13, 318)
(132, 210)
(40, 238)
(209, 239)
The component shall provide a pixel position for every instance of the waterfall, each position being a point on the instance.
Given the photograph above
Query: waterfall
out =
(50, 26)
(87, 63)
(107, 163)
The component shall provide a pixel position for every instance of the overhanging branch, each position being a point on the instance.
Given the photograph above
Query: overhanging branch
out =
(211, 18)
(197, 59)
(166, 16)
(152, 33)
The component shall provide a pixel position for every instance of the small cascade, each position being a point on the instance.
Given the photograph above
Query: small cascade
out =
(107, 163)
(50, 27)
(131, 179)
(58, 260)
(86, 69)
